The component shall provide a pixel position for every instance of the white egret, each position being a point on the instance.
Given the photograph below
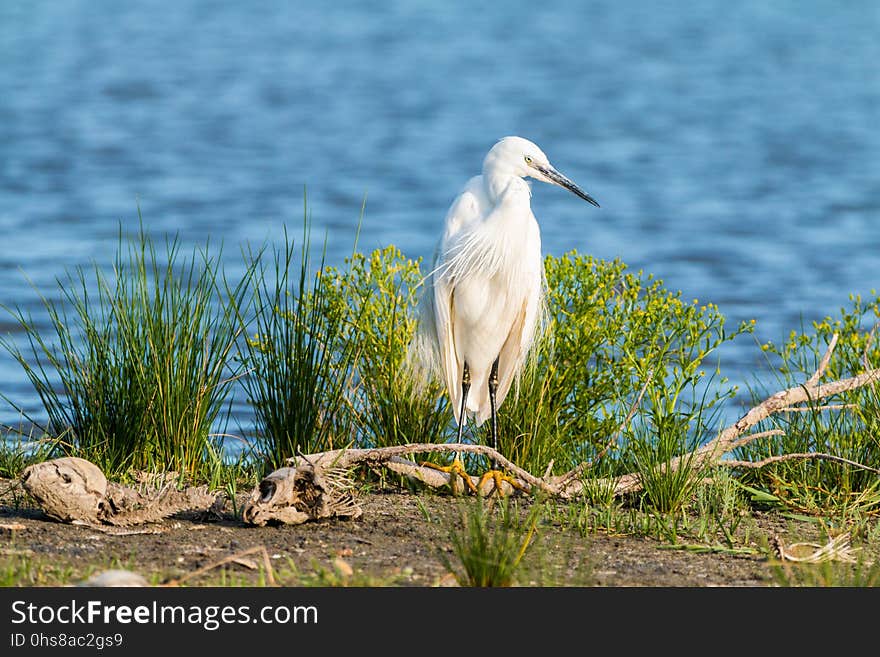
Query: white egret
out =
(484, 296)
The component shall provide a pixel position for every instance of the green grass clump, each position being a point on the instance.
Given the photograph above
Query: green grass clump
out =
(668, 470)
(720, 507)
(298, 362)
(490, 542)
(139, 369)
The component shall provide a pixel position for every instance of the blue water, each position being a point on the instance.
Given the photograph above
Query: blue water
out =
(734, 147)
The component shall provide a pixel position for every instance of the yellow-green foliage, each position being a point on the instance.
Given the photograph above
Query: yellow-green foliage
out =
(380, 293)
(858, 342)
(611, 333)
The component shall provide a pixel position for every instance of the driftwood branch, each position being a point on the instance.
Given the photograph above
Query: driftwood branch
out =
(571, 483)
(798, 456)
(810, 409)
(823, 364)
(391, 458)
(868, 342)
(713, 451)
(745, 440)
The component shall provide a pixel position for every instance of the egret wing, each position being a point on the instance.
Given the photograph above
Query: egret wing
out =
(524, 331)
(463, 212)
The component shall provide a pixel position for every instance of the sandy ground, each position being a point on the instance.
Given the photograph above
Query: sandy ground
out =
(400, 540)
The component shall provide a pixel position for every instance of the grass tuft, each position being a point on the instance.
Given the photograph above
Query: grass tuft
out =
(298, 364)
(491, 542)
(138, 371)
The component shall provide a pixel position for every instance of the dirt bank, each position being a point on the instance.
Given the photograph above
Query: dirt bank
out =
(400, 540)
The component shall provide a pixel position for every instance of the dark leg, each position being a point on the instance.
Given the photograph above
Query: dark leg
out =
(497, 476)
(456, 469)
(493, 387)
(465, 387)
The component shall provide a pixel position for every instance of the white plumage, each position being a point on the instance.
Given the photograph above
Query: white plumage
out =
(484, 296)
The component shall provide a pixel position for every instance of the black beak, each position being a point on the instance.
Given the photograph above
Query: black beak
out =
(557, 178)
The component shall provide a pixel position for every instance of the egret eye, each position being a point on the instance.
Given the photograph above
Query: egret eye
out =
(528, 159)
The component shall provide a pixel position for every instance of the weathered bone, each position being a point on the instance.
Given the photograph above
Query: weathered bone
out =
(71, 489)
(67, 489)
(295, 495)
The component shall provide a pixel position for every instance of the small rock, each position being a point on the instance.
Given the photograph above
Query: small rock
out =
(116, 577)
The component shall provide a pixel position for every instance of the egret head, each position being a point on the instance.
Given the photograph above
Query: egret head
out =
(520, 157)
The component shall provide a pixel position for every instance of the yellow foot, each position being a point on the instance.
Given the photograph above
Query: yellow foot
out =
(455, 468)
(497, 477)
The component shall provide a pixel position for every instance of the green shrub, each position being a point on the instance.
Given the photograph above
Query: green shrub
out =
(611, 334)
(380, 294)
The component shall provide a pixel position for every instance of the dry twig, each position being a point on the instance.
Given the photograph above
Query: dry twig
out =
(836, 549)
(826, 407)
(799, 457)
(239, 558)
